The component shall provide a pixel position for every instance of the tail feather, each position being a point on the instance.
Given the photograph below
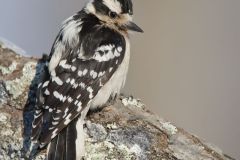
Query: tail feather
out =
(52, 149)
(56, 149)
(61, 150)
(63, 146)
(71, 136)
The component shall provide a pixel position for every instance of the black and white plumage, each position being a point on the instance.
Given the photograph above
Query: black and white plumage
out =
(87, 66)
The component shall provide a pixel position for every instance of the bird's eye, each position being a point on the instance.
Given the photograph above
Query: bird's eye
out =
(113, 14)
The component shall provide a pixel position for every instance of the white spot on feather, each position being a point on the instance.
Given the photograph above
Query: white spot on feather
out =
(82, 85)
(57, 80)
(47, 92)
(65, 112)
(59, 96)
(55, 123)
(119, 49)
(56, 118)
(38, 111)
(63, 64)
(70, 99)
(100, 74)
(68, 80)
(78, 96)
(72, 81)
(67, 119)
(73, 68)
(79, 106)
(50, 110)
(76, 102)
(75, 85)
(116, 53)
(100, 83)
(54, 133)
(45, 84)
(37, 115)
(85, 72)
(51, 128)
(90, 90)
(39, 85)
(93, 74)
(74, 60)
(80, 73)
(110, 69)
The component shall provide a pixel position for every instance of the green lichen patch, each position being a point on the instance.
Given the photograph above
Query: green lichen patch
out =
(169, 128)
(19, 85)
(130, 101)
(9, 69)
(105, 150)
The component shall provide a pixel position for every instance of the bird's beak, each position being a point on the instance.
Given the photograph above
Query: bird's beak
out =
(133, 27)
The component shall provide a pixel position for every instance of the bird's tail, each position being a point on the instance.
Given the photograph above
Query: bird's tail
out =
(69, 143)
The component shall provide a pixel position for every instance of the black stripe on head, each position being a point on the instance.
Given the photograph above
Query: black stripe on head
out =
(100, 7)
(127, 6)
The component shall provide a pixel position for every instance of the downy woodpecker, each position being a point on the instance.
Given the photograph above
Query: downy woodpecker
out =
(87, 66)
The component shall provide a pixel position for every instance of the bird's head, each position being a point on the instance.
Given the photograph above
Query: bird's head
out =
(116, 14)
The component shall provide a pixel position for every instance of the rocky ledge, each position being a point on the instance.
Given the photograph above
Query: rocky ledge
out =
(126, 130)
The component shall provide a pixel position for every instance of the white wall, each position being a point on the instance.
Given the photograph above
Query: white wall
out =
(185, 66)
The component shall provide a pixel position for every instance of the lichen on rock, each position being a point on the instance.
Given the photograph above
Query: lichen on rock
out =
(3, 94)
(132, 101)
(169, 128)
(18, 86)
(10, 69)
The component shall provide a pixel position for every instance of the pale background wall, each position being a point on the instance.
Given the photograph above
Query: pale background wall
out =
(185, 66)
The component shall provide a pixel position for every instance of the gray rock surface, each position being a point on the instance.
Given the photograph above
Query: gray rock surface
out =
(126, 130)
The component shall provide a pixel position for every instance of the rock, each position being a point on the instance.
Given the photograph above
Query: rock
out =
(4, 118)
(3, 94)
(126, 130)
(96, 131)
(9, 45)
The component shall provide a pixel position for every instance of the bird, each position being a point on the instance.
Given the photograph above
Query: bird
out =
(87, 67)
